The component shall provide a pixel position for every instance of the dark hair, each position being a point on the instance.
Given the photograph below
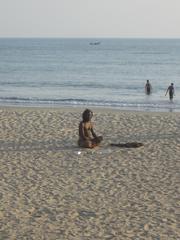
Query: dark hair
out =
(87, 115)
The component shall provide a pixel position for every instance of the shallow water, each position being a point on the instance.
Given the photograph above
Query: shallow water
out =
(55, 72)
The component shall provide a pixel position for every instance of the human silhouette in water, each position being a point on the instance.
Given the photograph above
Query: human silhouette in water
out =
(171, 91)
(148, 88)
(87, 136)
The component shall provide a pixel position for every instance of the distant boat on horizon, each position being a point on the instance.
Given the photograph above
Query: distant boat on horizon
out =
(94, 43)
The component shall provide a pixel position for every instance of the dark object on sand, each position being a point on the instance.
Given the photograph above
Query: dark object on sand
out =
(127, 145)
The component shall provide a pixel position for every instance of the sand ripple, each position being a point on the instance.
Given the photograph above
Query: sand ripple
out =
(50, 189)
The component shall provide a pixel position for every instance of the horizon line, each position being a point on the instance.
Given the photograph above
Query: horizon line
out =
(64, 37)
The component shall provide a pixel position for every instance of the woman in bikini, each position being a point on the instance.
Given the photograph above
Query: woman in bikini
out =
(87, 136)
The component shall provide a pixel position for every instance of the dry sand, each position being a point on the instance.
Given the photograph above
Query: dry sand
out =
(51, 189)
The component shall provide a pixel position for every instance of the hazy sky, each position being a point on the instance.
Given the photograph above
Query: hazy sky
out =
(90, 18)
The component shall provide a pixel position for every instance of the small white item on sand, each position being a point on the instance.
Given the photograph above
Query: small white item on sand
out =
(79, 152)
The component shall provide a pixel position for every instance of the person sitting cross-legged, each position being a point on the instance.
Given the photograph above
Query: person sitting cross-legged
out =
(87, 136)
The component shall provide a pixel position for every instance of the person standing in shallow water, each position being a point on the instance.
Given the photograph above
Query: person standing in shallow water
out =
(148, 88)
(87, 136)
(170, 89)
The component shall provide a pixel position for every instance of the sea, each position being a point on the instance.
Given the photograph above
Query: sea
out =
(103, 72)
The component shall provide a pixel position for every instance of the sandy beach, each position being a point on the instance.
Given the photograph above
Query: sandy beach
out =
(51, 189)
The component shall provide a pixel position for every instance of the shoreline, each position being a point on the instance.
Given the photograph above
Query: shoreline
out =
(52, 189)
(82, 107)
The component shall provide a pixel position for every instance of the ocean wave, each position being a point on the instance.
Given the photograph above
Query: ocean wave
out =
(144, 106)
(150, 53)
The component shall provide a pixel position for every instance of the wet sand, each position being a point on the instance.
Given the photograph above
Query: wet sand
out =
(51, 189)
